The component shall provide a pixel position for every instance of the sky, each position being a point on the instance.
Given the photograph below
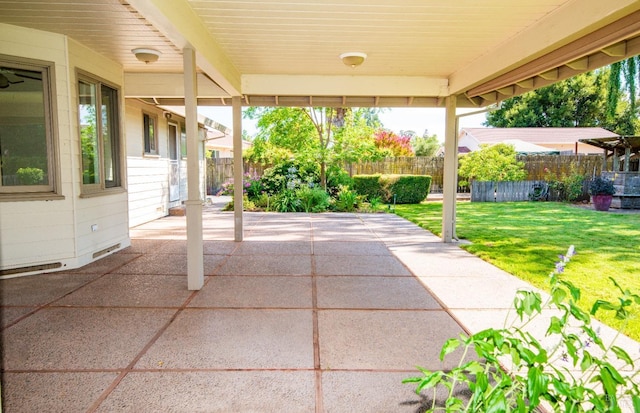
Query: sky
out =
(395, 119)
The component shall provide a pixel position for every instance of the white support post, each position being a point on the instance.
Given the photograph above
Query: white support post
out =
(450, 184)
(238, 171)
(195, 254)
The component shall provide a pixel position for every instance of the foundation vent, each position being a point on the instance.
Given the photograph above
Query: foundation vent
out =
(106, 250)
(32, 268)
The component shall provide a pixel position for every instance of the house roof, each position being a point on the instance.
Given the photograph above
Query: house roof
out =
(537, 135)
(280, 52)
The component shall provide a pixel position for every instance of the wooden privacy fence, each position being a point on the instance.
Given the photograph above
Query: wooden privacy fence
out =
(538, 167)
(488, 191)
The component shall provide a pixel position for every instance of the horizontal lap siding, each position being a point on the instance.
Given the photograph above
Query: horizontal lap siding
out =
(42, 232)
(148, 189)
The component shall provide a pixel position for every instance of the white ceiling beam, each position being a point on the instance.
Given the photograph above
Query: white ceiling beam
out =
(180, 24)
(167, 85)
(343, 85)
(565, 25)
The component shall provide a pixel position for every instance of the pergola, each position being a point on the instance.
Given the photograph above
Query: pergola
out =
(627, 146)
(420, 53)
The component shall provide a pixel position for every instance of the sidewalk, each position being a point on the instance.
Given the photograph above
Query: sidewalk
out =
(310, 313)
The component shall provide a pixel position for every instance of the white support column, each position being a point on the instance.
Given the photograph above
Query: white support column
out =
(195, 254)
(450, 184)
(238, 171)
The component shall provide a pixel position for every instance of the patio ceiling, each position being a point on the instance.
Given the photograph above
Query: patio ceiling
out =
(285, 52)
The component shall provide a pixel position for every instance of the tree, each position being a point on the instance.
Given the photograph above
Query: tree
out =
(427, 145)
(575, 102)
(313, 135)
(392, 144)
(622, 94)
(492, 163)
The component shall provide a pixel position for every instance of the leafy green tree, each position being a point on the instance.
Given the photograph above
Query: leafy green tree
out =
(622, 95)
(492, 163)
(315, 135)
(426, 145)
(578, 101)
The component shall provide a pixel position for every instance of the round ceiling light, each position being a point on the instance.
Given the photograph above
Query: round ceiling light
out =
(146, 55)
(353, 59)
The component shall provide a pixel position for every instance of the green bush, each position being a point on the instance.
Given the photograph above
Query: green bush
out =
(313, 199)
(30, 176)
(347, 200)
(367, 186)
(408, 189)
(290, 174)
(337, 176)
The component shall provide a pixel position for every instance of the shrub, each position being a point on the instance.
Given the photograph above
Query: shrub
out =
(286, 201)
(30, 176)
(578, 372)
(367, 185)
(347, 200)
(290, 174)
(601, 186)
(313, 199)
(337, 176)
(408, 189)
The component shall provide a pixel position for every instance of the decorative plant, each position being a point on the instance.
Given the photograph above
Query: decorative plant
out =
(601, 186)
(515, 372)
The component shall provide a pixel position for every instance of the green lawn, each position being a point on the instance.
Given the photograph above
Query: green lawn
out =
(525, 239)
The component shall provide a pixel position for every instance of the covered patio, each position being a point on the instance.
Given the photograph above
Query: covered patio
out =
(310, 312)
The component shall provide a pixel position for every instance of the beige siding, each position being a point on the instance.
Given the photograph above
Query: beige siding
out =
(41, 232)
(44, 232)
(148, 176)
(108, 212)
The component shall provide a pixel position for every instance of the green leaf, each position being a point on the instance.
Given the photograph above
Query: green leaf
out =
(558, 295)
(497, 403)
(579, 314)
(449, 347)
(622, 355)
(587, 361)
(555, 326)
(636, 403)
(429, 381)
(602, 304)
(537, 383)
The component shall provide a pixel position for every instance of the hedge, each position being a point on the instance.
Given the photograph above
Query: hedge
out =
(368, 186)
(408, 189)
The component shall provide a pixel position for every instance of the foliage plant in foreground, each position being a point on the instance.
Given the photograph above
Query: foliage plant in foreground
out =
(572, 370)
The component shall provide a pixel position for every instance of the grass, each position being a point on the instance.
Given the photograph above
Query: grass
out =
(525, 239)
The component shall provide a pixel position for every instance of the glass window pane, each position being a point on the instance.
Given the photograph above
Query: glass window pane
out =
(89, 132)
(23, 136)
(110, 136)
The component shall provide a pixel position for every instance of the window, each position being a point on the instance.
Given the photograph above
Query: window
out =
(99, 135)
(27, 129)
(150, 139)
(183, 140)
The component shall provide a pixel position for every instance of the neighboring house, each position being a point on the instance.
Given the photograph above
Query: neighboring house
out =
(534, 140)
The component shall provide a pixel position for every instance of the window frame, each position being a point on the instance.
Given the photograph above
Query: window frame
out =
(153, 151)
(51, 190)
(115, 125)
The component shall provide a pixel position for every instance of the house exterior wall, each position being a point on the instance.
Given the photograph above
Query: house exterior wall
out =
(148, 175)
(59, 231)
(570, 148)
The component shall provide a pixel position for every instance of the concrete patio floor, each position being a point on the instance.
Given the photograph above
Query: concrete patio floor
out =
(310, 313)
